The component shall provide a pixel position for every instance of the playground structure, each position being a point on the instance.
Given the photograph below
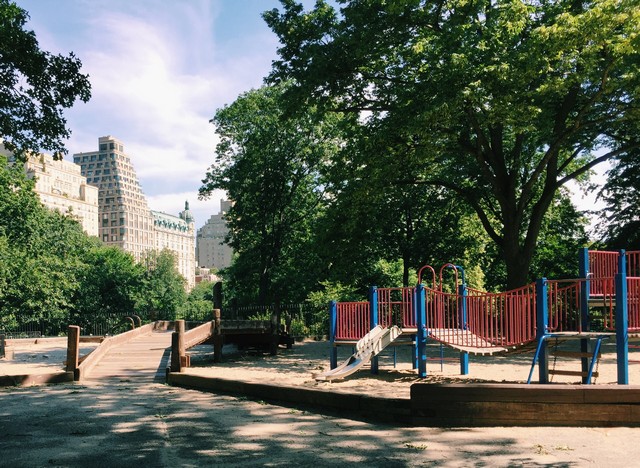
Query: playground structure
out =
(602, 304)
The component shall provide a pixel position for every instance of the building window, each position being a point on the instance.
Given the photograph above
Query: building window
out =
(103, 147)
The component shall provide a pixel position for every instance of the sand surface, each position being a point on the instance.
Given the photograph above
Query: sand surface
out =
(119, 424)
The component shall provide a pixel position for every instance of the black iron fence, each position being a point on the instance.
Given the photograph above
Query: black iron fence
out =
(98, 325)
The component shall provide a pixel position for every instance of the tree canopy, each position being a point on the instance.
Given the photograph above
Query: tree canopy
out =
(620, 225)
(504, 102)
(35, 86)
(269, 166)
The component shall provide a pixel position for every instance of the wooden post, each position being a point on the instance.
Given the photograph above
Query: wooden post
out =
(73, 347)
(177, 347)
(2, 346)
(275, 330)
(217, 336)
(287, 329)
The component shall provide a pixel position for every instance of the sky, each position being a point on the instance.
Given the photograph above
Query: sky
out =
(159, 70)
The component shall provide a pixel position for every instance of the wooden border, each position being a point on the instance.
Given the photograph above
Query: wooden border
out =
(35, 379)
(525, 405)
(392, 410)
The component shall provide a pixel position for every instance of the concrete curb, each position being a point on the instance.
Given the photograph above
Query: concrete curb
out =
(380, 409)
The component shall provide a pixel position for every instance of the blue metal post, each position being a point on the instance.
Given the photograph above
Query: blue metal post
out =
(333, 325)
(584, 309)
(542, 324)
(622, 329)
(373, 310)
(622, 262)
(462, 308)
(421, 336)
(414, 338)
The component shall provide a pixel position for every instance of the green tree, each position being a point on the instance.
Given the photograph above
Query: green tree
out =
(506, 101)
(163, 287)
(373, 218)
(269, 166)
(111, 282)
(35, 86)
(621, 215)
(41, 255)
(199, 303)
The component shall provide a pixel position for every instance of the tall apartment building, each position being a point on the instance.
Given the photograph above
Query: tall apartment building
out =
(124, 215)
(61, 186)
(176, 233)
(211, 250)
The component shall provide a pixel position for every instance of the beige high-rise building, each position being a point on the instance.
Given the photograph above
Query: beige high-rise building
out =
(124, 215)
(211, 249)
(61, 186)
(176, 233)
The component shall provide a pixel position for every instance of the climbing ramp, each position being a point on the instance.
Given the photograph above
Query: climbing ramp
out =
(369, 346)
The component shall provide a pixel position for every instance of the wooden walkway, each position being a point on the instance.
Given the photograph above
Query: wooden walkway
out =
(144, 359)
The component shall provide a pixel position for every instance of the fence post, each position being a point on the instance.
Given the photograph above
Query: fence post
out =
(464, 356)
(373, 310)
(177, 346)
(421, 335)
(217, 335)
(73, 348)
(542, 324)
(275, 329)
(333, 326)
(622, 329)
(585, 292)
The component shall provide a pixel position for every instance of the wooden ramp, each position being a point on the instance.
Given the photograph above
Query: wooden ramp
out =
(143, 359)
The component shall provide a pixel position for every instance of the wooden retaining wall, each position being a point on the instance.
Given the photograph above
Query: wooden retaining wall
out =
(525, 405)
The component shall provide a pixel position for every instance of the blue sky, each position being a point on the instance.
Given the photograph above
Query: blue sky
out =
(159, 69)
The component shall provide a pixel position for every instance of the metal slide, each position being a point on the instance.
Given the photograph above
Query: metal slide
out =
(369, 346)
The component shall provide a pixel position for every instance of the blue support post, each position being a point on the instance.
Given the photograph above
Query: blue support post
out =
(373, 310)
(462, 308)
(421, 336)
(622, 262)
(414, 338)
(542, 324)
(333, 323)
(622, 329)
(584, 309)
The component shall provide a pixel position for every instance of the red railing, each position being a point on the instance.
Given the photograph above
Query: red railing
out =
(353, 320)
(502, 319)
(633, 303)
(603, 267)
(492, 319)
(395, 307)
(563, 300)
(633, 263)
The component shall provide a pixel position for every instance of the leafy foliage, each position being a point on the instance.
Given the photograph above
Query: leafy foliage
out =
(199, 303)
(269, 166)
(621, 215)
(35, 86)
(504, 102)
(163, 287)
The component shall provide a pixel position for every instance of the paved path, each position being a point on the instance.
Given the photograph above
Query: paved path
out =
(142, 360)
(122, 417)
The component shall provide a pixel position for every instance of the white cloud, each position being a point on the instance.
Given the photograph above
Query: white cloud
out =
(159, 71)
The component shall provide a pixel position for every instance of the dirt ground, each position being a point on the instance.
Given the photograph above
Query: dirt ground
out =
(117, 424)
